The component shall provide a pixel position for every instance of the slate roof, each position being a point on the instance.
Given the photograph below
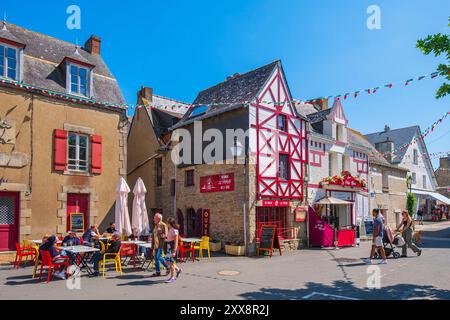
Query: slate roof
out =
(399, 137)
(43, 55)
(231, 93)
(163, 119)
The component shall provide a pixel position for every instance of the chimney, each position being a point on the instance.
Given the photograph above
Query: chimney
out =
(145, 93)
(92, 45)
(386, 128)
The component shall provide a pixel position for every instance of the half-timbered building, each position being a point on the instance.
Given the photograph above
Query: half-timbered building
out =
(259, 181)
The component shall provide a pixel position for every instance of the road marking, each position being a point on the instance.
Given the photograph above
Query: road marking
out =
(328, 296)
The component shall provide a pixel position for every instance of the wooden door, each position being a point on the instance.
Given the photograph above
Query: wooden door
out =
(9, 220)
(78, 203)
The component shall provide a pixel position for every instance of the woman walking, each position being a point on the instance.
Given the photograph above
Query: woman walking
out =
(405, 228)
(172, 248)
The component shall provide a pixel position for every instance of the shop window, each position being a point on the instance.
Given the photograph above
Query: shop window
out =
(78, 149)
(273, 216)
(282, 122)
(284, 167)
(189, 178)
(159, 172)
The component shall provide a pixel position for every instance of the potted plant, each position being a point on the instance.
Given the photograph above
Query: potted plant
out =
(215, 245)
(235, 248)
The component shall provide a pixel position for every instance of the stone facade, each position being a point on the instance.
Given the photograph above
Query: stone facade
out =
(443, 176)
(388, 190)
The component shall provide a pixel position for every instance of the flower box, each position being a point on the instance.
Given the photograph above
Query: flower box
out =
(234, 250)
(215, 246)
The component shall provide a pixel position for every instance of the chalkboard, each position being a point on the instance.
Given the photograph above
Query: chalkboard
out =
(368, 224)
(77, 222)
(268, 239)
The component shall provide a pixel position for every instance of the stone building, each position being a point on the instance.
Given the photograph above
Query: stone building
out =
(387, 186)
(403, 147)
(338, 172)
(56, 136)
(443, 178)
(257, 179)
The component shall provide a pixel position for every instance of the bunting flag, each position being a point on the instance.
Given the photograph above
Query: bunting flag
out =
(422, 136)
(373, 90)
(91, 101)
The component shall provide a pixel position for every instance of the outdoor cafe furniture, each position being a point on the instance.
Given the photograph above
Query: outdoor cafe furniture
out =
(36, 261)
(148, 256)
(192, 242)
(202, 245)
(184, 248)
(80, 256)
(128, 251)
(52, 264)
(112, 257)
(23, 252)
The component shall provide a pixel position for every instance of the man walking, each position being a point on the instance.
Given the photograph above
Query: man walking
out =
(378, 233)
(159, 238)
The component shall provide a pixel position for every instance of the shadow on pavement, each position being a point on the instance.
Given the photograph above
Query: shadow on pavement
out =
(343, 290)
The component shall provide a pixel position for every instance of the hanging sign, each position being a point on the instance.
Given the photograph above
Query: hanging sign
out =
(217, 183)
(300, 214)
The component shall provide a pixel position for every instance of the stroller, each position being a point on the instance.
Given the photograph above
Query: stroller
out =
(390, 242)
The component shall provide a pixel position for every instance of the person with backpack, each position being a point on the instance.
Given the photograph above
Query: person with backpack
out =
(406, 228)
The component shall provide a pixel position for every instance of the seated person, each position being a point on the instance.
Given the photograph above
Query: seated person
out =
(114, 247)
(112, 228)
(90, 235)
(71, 239)
(49, 245)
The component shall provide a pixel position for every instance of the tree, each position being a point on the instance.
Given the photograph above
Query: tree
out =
(411, 203)
(438, 44)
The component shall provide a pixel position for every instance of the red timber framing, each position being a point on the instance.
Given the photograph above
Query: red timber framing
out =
(274, 101)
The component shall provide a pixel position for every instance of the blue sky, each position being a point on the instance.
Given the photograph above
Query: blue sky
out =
(181, 47)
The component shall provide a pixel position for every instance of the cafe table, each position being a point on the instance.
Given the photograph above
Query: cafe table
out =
(148, 256)
(80, 254)
(191, 240)
(39, 242)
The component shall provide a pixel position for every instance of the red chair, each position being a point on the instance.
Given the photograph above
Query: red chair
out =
(49, 262)
(23, 252)
(81, 240)
(128, 250)
(184, 248)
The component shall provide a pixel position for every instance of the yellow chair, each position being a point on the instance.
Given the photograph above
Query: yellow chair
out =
(36, 260)
(203, 245)
(27, 244)
(112, 257)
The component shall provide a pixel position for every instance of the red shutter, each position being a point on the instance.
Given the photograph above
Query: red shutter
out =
(60, 149)
(96, 161)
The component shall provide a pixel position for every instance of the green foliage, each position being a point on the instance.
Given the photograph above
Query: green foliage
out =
(411, 203)
(438, 44)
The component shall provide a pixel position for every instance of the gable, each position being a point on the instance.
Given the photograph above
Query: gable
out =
(337, 114)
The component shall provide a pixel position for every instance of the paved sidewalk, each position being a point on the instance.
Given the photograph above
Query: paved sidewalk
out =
(306, 274)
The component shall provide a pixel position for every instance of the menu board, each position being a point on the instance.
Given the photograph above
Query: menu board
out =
(268, 239)
(77, 222)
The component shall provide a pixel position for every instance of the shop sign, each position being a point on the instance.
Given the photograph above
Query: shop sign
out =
(347, 196)
(217, 183)
(205, 222)
(275, 203)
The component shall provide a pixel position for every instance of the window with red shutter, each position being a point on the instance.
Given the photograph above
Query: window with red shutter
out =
(96, 161)
(60, 149)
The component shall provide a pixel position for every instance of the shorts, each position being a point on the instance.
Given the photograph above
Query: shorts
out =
(379, 241)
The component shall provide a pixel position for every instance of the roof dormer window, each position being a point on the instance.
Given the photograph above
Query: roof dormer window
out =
(9, 57)
(78, 80)
(78, 75)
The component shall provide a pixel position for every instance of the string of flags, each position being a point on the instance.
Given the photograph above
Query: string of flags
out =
(440, 154)
(373, 90)
(183, 107)
(422, 136)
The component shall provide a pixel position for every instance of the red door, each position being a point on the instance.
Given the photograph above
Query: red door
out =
(78, 203)
(9, 220)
